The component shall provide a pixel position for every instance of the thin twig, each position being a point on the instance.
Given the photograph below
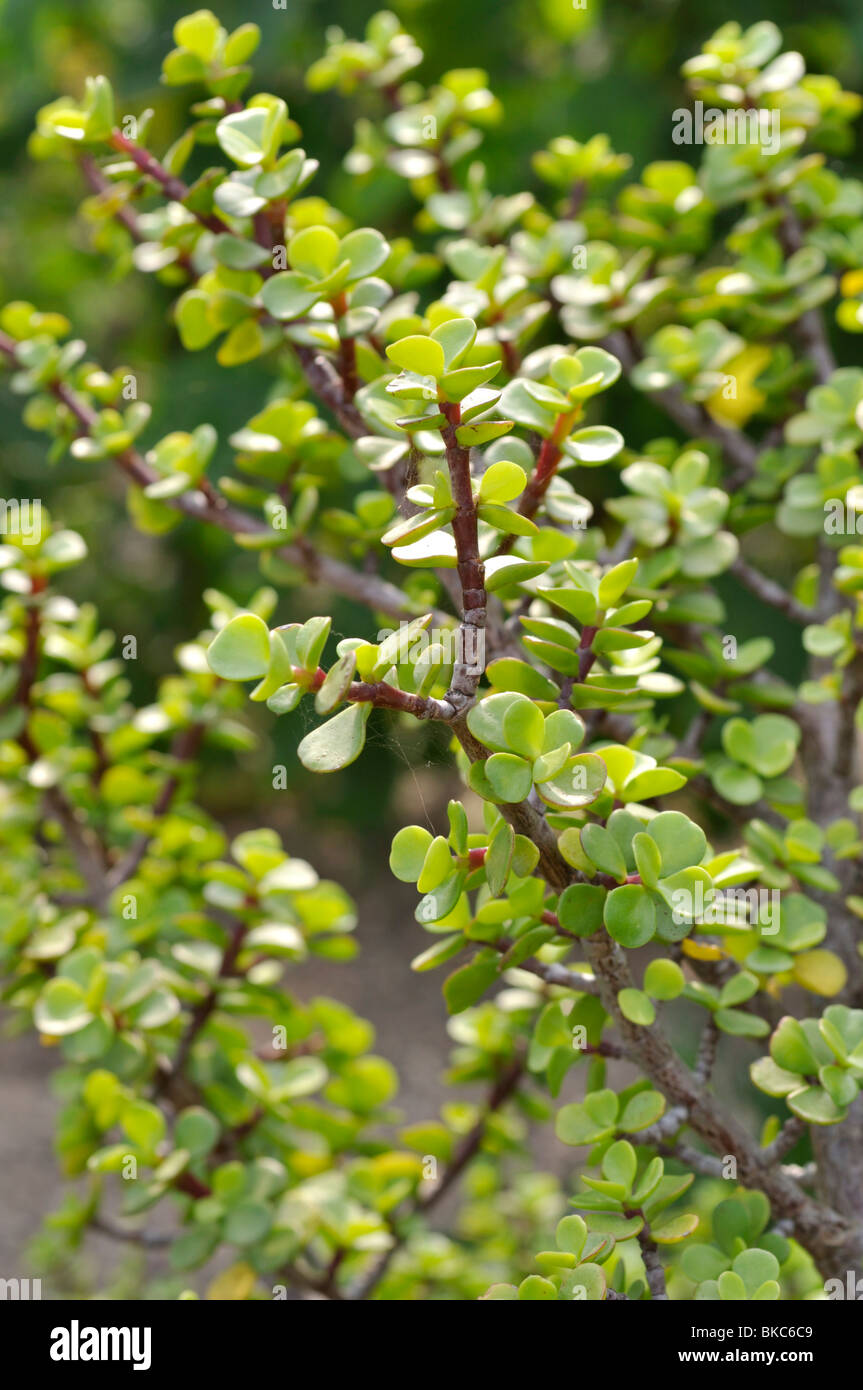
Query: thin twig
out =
(369, 589)
(770, 592)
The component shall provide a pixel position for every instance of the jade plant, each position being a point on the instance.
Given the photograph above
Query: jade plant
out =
(650, 863)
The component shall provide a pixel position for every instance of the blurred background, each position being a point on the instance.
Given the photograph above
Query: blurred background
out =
(612, 66)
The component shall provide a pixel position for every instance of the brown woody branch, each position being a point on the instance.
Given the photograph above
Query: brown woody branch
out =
(817, 1226)
(771, 593)
(470, 568)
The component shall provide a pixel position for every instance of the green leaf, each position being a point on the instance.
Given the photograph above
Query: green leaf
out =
(464, 987)
(755, 1267)
(242, 136)
(287, 295)
(196, 1130)
(580, 908)
(247, 1223)
(61, 1008)
(510, 674)
(648, 860)
(509, 776)
(790, 1048)
(535, 1288)
(365, 250)
(571, 1235)
(579, 784)
(675, 1229)
(240, 45)
(736, 784)
(635, 1005)
(642, 1110)
(602, 848)
(313, 251)
(688, 892)
(621, 1227)
(594, 445)
(839, 1085)
(503, 571)
(680, 841)
(336, 683)
(664, 979)
(741, 1025)
(199, 33)
(649, 1182)
(337, 743)
(194, 1247)
(240, 651)
(767, 745)
(730, 1225)
(437, 865)
(194, 323)
(364, 1084)
(418, 354)
(502, 482)
(619, 1164)
(238, 254)
(587, 1282)
(576, 1127)
(775, 744)
(814, 1105)
(301, 1076)
(280, 670)
(657, 781)
(499, 857)
(455, 336)
(144, 1124)
(629, 915)
(772, 1079)
(409, 849)
(458, 827)
(244, 343)
(485, 719)
(738, 989)
(524, 729)
(615, 582)
(581, 604)
(602, 1106)
(702, 1262)
(441, 901)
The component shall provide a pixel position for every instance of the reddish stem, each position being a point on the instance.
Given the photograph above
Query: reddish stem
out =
(172, 186)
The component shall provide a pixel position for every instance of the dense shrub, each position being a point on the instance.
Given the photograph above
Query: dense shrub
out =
(651, 812)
